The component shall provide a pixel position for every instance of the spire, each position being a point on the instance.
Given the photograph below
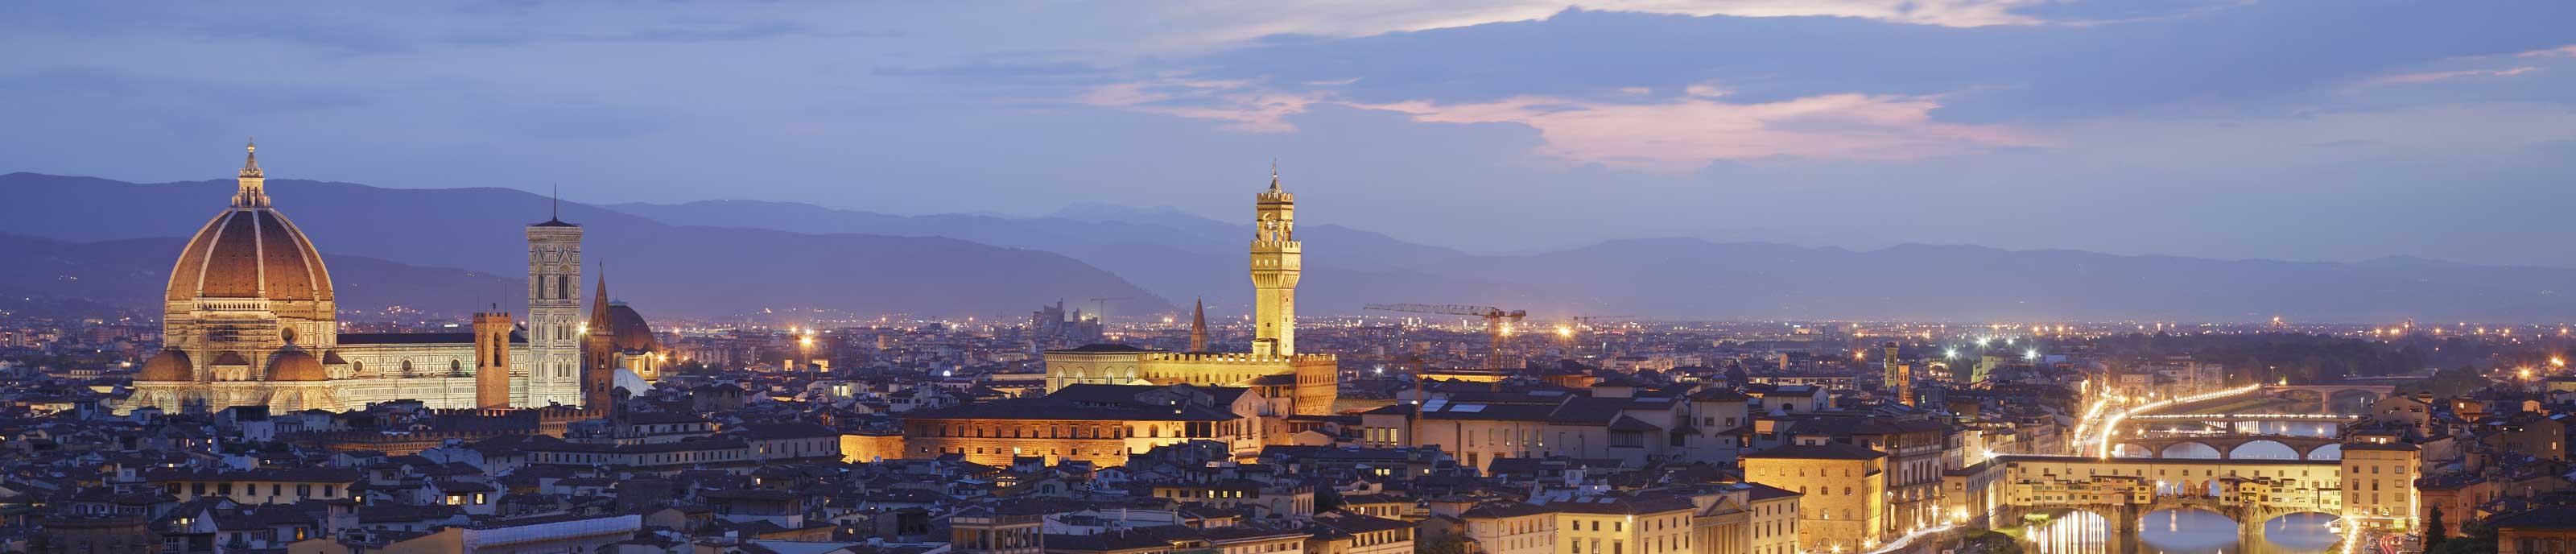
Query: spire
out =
(1198, 326)
(253, 182)
(250, 160)
(1274, 175)
(599, 302)
(557, 207)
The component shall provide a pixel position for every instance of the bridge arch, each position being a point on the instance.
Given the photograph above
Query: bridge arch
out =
(2192, 450)
(2326, 452)
(2128, 450)
(2270, 516)
(2263, 449)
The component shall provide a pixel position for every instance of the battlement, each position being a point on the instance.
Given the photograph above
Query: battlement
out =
(356, 437)
(1236, 358)
(1275, 197)
(1278, 244)
(545, 414)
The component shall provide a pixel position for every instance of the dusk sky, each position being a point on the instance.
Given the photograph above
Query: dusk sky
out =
(2332, 130)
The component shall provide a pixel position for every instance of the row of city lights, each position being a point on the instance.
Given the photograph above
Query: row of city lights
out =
(2113, 423)
(2165, 417)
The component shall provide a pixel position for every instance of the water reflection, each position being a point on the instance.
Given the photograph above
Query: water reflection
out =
(2179, 532)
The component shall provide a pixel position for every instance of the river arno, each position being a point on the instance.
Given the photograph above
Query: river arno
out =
(2179, 532)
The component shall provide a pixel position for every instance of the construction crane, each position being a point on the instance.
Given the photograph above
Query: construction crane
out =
(1497, 322)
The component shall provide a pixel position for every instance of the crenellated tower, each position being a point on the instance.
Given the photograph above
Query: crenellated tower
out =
(1276, 259)
(553, 372)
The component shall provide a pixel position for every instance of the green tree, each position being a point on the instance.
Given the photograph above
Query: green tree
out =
(2481, 540)
(1327, 499)
(2434, 530)
(1989, 542)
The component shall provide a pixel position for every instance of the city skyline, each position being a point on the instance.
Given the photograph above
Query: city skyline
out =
(1305, 277)
(2274, 130)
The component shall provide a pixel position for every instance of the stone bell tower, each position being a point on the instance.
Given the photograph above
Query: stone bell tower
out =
(492, 360)
(599, 353)
(553, 375)
(1276, 258)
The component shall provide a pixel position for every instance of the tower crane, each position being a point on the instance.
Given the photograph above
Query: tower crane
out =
(1497, 321)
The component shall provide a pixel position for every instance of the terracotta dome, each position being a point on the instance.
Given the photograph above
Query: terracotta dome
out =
(628, 330)
(169, 365)
(250, 252)
(295, 365)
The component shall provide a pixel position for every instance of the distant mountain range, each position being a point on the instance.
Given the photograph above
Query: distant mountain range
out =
(727, 257)
(1182, 255)
(131, 273)
(661, 268)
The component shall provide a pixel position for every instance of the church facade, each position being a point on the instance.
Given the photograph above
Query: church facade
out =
(250, 318)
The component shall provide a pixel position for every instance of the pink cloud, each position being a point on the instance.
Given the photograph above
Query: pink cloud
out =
(1245, 107)
(2431, 76)
(1688, 133)
(1678, 135)
(1222, 22)
(2568, 51)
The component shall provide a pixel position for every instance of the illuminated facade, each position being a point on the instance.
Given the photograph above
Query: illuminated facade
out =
(2373, 485)
(1277, 260)
(250, 318)
(2379, 481)
(1101, 424)
(554, 314)
(1745, 518)
(1298, 384)
(1624, 525)
(1843, 497)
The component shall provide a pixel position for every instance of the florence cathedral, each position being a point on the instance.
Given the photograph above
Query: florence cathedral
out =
(249, 320)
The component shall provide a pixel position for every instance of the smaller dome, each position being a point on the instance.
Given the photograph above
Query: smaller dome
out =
(629, 332)
(295, 365)
(169, 365)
